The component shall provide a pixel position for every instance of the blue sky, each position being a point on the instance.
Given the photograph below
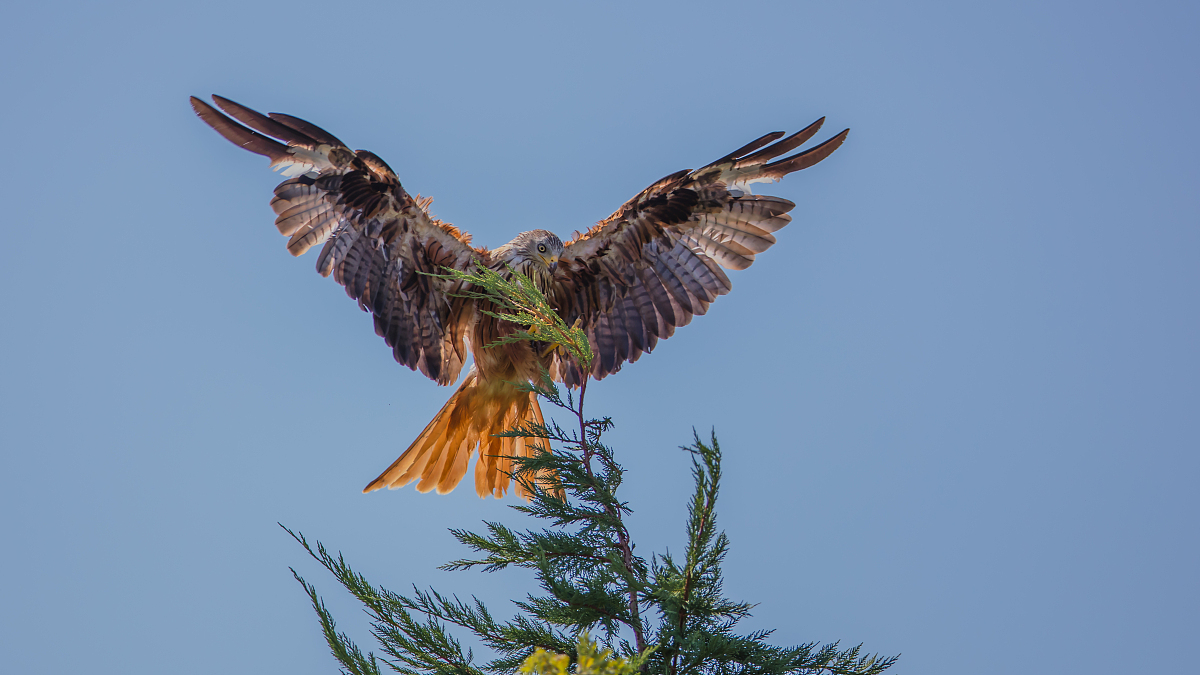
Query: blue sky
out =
(958, 399)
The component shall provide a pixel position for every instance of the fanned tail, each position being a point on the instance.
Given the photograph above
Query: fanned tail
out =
(468, 421)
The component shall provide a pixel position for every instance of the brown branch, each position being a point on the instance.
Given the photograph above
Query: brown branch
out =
(622, 534)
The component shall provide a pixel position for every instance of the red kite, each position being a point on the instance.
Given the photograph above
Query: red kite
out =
(629, 281)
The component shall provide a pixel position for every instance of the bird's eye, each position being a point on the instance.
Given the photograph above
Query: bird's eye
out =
(541, 248)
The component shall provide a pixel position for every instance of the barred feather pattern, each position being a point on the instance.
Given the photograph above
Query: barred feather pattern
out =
(378, 241)
(659, 260)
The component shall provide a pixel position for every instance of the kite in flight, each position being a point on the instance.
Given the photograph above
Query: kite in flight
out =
(629, 281)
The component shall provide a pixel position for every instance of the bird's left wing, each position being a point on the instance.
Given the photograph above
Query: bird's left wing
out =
(656, 262)
(379, 242)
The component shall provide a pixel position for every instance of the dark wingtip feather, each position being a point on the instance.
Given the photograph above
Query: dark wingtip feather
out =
(260, 122)
(807, 158)
(752, 146)
(786, 145)
(307, 128)
(238, 134)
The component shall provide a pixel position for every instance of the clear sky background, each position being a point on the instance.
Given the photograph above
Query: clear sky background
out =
(958, 400)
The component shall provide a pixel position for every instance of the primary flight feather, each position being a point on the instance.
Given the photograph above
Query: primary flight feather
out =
(629, 281)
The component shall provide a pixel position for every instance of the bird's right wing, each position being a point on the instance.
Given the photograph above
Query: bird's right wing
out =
(380, 243)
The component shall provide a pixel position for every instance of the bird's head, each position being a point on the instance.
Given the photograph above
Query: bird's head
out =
(534, 253)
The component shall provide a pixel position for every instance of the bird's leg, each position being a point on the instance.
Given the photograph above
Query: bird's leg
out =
(556, 345)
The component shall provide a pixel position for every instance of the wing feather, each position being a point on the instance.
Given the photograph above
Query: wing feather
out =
(318, 225)
(652, 322)
(379, 242)
(262, 123)
(786, 145)
(686, 290)
(619, 333)
(335, 249)
(728, 255)
(659, 260)
(638, 335)
(293, 192)
(308, 129)
(663, 302)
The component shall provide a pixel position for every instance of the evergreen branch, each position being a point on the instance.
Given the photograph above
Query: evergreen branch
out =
(520, 302)
(584, 561)
(505, 547)
(589, 436)
(419, 648)
(701, 523)
(344, 650)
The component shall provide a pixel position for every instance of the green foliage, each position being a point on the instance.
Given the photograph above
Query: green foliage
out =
(664, 616)
(519, 301)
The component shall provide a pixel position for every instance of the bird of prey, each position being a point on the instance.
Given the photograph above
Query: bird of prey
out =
(629, 281)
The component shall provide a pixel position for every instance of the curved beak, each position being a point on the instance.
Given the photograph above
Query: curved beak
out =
(551, 263)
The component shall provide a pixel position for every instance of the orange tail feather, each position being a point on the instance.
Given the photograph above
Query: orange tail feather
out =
(469, 420)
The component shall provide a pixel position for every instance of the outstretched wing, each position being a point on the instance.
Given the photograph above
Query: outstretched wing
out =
(378, 240)
(648, 268)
